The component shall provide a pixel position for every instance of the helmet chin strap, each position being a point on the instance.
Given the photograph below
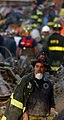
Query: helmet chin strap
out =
(39, 76)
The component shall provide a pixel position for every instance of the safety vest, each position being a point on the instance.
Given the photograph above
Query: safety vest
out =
(62, 12)
(26, 43)
(27, 48)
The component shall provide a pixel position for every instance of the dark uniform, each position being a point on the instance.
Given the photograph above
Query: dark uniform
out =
(36, 97)
(33, 95)
(10, 44)
(36, 17)
(56, 49)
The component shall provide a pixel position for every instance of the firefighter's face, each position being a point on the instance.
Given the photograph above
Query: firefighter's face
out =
(45, 33)
(39, 68)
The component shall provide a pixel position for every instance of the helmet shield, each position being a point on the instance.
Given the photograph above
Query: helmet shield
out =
(42, 58)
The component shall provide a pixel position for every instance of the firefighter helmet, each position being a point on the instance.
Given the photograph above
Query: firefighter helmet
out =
(57, 26)
(42, 58)
(25, 29)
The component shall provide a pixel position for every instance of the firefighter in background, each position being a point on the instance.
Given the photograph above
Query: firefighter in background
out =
(36, 35)
(36, 15)
(33, 14)
(61, 20)
(51, 14)
(62, 10)
(56, 46)
(45, 33)
(27, 45)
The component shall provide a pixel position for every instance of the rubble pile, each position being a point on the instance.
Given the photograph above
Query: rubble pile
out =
(10, 76)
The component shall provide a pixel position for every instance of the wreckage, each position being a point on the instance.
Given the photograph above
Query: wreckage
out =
(57, 78)
(11, 74)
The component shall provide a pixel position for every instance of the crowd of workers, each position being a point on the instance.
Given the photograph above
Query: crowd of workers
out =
(39, 37)
(32, 35)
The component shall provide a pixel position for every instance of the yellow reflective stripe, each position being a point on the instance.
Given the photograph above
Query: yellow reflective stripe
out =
(39, 13)
(34, 17)
(50, 23)
(56, 48)
(39, 20)
(11, 96)
(17, 103)
(3, 118)
(55, 67)
(24, 109)
(55, 19)
(34, 25)
(6, 67)
(62, 12)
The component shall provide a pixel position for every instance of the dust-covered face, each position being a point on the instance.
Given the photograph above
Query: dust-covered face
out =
(39, 70)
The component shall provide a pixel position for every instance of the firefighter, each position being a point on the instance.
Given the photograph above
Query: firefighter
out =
(33, 97)
(52, 14)
(36, 35)
(36, 15)
(45, 33)
(56, 46)
(27, 44)
(62, 10)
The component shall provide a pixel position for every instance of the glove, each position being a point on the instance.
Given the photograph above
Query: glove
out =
(53, 111)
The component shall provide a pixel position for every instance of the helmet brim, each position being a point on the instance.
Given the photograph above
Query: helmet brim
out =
(34, 61)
